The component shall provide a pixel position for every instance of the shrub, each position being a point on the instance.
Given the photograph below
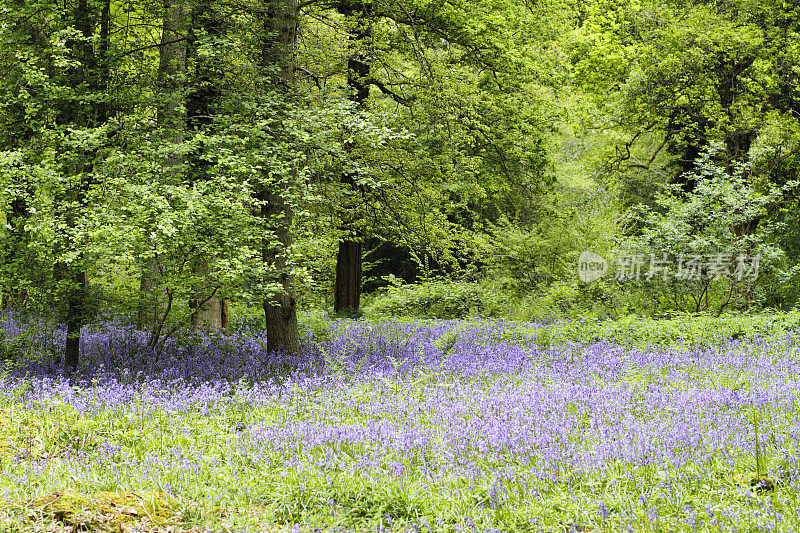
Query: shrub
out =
(315, 325)
(436, 299)
(244, 319)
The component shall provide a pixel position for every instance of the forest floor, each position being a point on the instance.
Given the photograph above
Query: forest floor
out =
(421, 426)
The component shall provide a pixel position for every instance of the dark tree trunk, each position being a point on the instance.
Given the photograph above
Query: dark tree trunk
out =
(172, 71)
(280, 310)
(278, 38)
(72, 278)
(281, 323)
(280, 314)
(204, 91)
(348, 276)
(89, 78)
(347, 289)
(76, 316)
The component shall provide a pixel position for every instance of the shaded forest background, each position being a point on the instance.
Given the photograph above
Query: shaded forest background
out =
(224, 164)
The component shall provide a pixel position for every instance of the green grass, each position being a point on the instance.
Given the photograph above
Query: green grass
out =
(643, 332)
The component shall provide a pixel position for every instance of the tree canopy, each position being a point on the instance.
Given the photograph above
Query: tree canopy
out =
(161, 162)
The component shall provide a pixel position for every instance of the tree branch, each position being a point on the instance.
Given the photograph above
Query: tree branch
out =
(313, 76)
(146, 47)
(396, 97)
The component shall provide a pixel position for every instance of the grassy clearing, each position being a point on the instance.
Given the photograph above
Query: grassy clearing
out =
(418, 425)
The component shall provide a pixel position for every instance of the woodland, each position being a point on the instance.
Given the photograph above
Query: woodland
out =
(399, 265)
(228, 163)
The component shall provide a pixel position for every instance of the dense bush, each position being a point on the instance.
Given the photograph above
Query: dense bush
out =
(436, 299)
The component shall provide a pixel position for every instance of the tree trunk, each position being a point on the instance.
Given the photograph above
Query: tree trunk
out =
(212, 315)
(172, 72)
(210, 312)
(280, 311)
(91, 76)
(76, 316)
(347, 289)
(348, 276)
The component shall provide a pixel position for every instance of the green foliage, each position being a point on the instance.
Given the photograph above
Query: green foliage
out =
(436, 299)
(16, 349)
(718, 218)
(567, 299)
(681, 331)
(495, 142)
(35, 343)
(709, 73)
(316, 325)
(244, 318)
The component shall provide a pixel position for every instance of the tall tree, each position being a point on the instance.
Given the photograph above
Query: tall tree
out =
(80, 124)
(277, 41)
(711, 72)
(461, 94)
(171, 120)
(203, 98)
(347, 288)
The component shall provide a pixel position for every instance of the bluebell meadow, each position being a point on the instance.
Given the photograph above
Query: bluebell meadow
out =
(420, 426)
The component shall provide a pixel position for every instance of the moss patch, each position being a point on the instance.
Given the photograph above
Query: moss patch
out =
(104, 512)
